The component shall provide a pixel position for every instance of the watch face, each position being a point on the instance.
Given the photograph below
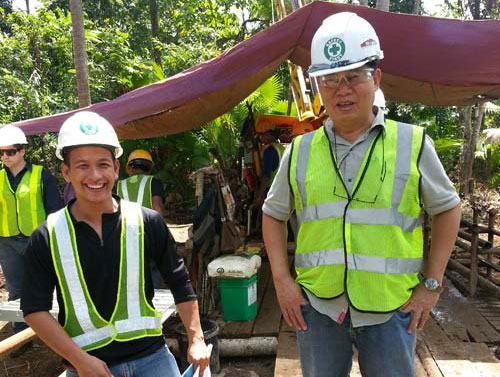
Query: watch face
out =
(431, 284)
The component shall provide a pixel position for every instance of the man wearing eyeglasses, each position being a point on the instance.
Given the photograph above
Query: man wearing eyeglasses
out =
(28, 193)
(358, 185)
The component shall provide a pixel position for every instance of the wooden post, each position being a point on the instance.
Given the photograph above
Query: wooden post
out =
(473, 253)
(491, 236)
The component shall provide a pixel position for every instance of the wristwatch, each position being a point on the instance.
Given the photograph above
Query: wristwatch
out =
(430, 284)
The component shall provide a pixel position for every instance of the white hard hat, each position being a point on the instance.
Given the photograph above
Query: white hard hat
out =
(11, 135)
(379, 100)
(87, 128)
(344, 41)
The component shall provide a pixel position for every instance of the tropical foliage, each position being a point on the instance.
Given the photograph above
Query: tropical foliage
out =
(123, 37)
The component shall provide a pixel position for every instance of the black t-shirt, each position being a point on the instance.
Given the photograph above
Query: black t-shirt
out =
(100, 265)
(156, 188)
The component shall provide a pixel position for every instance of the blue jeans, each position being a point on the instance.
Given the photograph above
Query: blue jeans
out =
(12, 251)
(384, 350)
(159, 364)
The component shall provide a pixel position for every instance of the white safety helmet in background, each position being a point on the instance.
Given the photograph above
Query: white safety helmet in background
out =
(11, 135)
(379, 100)
(87, 128)
(344, 41)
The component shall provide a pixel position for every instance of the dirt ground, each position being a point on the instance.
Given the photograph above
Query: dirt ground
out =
(40, 361)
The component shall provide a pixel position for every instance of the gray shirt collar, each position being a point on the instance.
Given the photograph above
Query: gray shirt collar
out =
(378, 122)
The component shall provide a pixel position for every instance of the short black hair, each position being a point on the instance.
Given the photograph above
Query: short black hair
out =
(373, 64)
(19, 146)
(66, 151)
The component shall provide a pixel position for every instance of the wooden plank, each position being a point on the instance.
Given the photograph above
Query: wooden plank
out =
(459, 319)
(243, 329)
(424, 356)
(287, 358)
(355, 370)
(269, 317)
(459, 359)
(419, 368)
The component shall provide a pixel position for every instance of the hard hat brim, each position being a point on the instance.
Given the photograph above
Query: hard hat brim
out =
(118, 151)
(327, 71)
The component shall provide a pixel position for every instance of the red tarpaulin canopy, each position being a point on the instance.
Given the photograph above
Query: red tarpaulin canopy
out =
(428, 60)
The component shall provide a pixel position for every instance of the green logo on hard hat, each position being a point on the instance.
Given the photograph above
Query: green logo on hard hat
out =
(89, 129)
(334, 49)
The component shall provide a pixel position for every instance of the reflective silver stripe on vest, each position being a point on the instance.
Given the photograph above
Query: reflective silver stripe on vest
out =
(124, 190)
(322, 211)
(140, 323)
(93, 336)
(142, 186)
(359, 262)
(301, 165)
(382, 216)
(63, 238)
(403, 160)
(391, 265)
(132, 215)
(373, 216)
(319, 258)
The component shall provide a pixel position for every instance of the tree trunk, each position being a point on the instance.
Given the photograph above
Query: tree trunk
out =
(416, 6)
(79, 53)
(472, 126)
(28, 6)
(383, 5)
(153, 16)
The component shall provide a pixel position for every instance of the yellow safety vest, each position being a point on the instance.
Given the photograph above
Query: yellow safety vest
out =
(368, 243)
(133, 317)
(21, 211)
(136, 188)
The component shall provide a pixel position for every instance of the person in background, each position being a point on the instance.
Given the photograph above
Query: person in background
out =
(141, 187)
(358, 184)
(95, 253)
(28, 193)
(270, 162)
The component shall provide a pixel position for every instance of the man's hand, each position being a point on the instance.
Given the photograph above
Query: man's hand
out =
(92, 367)
(291, 299)
(198, 354)
(419, 304)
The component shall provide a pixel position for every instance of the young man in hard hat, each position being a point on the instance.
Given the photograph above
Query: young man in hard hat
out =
(357, 185)
(140, 186)
(95, 253)
(28, 193)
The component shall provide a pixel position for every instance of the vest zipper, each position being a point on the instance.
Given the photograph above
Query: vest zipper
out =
(349, 199)
(15, 201)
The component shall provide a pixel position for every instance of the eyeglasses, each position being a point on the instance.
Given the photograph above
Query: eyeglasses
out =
(380, 181)
(140, 165)
(8, 152)
(351, 78)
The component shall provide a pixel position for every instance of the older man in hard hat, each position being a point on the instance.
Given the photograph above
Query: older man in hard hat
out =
(357, 185)
(95, 252)
(28, 193)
